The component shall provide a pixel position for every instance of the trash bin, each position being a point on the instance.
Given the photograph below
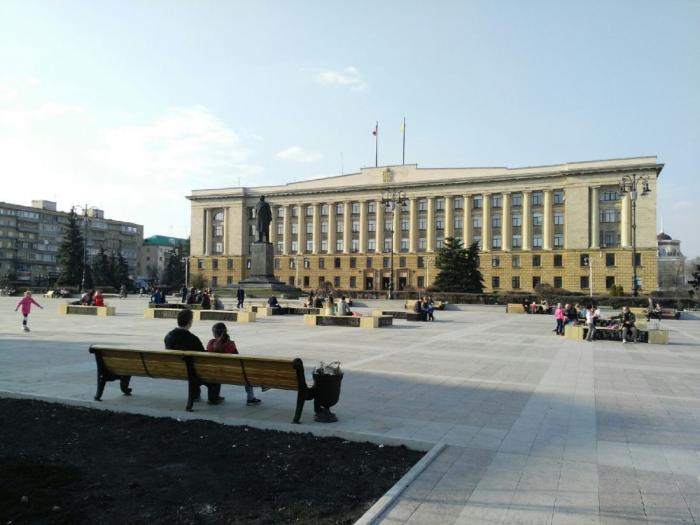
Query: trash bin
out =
(326, 394)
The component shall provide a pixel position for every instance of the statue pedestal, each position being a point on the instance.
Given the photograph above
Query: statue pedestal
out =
(261, 275)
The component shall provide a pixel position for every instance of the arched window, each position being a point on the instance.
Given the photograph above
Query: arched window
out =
(219, 216)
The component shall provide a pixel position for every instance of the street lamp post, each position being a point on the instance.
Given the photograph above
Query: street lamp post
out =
(186, 260)
(85, 242)
(628, 184)
(393, 199)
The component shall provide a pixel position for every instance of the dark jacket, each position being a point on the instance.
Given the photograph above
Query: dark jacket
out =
(183, 339)
(240, 294)
(571, 314)
(628, 319)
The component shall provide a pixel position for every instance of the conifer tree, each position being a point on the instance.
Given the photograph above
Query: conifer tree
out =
(101, 271)
(70, 254)
(459, 268)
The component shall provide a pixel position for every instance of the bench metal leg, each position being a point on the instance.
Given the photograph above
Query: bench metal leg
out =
(124, 385)
(101, 382)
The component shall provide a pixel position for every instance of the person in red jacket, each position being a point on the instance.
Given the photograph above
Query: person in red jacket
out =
(98, 299)
(222, 343)
(26, 304)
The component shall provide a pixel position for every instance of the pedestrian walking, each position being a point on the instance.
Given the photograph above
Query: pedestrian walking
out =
(26, 304)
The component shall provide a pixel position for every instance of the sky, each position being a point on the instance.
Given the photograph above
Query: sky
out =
(128, 106)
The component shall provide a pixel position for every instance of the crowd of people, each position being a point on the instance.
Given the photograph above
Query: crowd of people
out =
(425, 306)
(591, 318)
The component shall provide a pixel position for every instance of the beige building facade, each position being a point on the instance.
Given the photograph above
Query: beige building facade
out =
(567, 225)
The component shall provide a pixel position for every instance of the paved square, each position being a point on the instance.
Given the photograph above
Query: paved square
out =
(531, 428)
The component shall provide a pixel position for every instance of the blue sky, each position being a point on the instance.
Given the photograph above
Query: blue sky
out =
(130, 105)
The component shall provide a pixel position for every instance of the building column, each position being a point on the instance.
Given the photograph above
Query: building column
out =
(486, 222)
(273, 228)
(287, 222)
(208, 233)
(430, 237)
(626, 221)
(467, 229)
(226, 218)
(449, 217)
(380, 226)
(363, 227)
(347, 226)
(331, 228)
(506, 222)
(527, 220)
(316, 229)
(301, 229)
(396, 235)
(548, 220)
(595, 217)
(413, 225)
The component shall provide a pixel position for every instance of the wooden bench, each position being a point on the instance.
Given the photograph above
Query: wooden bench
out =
(197, 368)
(201, 315)
(100, 311)
(348, 320)
(398, 314)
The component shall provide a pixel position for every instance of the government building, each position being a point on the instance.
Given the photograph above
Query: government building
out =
(567, 225)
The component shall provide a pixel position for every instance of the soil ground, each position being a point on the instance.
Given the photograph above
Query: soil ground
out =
(63, 464)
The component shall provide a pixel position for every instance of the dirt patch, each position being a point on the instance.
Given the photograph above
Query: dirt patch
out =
(63, 464)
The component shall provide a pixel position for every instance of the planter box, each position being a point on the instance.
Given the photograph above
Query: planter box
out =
(658, 337)
(515, 308)
(574, 332)
(99, 311)
(348, 320)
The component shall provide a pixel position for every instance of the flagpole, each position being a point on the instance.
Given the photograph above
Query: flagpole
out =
(403, 152)
(376, 145)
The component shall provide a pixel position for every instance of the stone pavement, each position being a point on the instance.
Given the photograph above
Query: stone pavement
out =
(525, 427)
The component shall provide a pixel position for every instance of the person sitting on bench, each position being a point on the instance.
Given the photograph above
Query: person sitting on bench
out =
(418, 308)
(343, 308)
(628, 319)
(273, 303)
(181, 338)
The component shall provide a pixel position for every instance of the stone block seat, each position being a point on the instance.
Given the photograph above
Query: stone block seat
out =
(437, 305)
(202, 315)
(284, 310)
(99, 311)
(348, 320)
(398, 314)
(515, 308)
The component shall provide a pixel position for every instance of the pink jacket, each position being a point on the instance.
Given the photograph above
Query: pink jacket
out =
(559, 313)
(26, 304)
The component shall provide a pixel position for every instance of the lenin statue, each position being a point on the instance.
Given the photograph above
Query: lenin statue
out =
(264, 216)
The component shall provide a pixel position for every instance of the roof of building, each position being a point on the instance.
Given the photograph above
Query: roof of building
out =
(162, 240)
(664, 237)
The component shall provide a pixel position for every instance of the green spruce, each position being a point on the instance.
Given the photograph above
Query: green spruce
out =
(70, 253)
(459, 268)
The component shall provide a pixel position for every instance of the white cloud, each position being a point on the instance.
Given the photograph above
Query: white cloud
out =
(297, 153)
(140, 172)
(348, 76)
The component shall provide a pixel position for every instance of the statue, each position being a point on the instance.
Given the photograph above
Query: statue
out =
(264, 215)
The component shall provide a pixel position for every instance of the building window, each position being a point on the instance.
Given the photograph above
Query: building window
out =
(558, 260)
(440, 204)
(386, 263)
(306, 281)
(536, 279)
(584, 260)
(609, 195)
(495, 282)
(404, 225)
(309, 227)
(558, 197)
(477, 240)
(277, 264)
(476, 201)
(516, 241)
(307, 263)
(558, 219)
(324, 209)
(609, 281)
(608, 216)
(355, 208)
(537, 219)
(422, 244)
(321, 280)
(339, 227)
(387, 244)
(292, 264)
(338, 209)
(515, 261)
(496, 201)
(458, 203)
(321, 263)
(557, 281)
(295, 228)
(355, 226)
(280, 212)
(558, 240)
(584, 282)
(420, 282)
(476, 222)
(609, 260)
(496, 242)
(537, 241)
(280, 229)
(388, 225)
(537, 198)
(422, 224)
(309, 211)
(516, 199)
(252, 230)
(214, 264)
(247, 264)
(324, 245)
(420, 262)
(515, 282)
(218, 231)
(295, 246)
(495, 261)
(496, 221)
(371, 226)
(214, 281)
(610, 238)
(371, 207)
(309, 245)
(229, 280)
(280, 246)
(355, 245)
(336, 281)
(324, 227)
(439, 223)
(336, 262)
(368, 262)
(459, 223)
(371, 245)
(423, 205)
(404, 245)
(439, 243)
(402, 262)
(536, 261)
(353, 282)
(517, 220)
(218, 247)
(229, 264)
(353, 262)
(637, 259)
(295, 211)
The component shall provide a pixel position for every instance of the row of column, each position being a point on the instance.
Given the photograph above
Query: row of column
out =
(625, 219)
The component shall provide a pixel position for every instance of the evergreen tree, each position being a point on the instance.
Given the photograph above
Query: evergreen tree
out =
(101, 270)
(70, 254)
(113, 270)
(174, 272)
(121, 272)
(459, 268)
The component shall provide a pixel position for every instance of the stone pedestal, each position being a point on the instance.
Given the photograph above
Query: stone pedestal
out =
(262, 274)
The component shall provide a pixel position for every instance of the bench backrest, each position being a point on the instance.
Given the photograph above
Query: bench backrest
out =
(231, 369)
